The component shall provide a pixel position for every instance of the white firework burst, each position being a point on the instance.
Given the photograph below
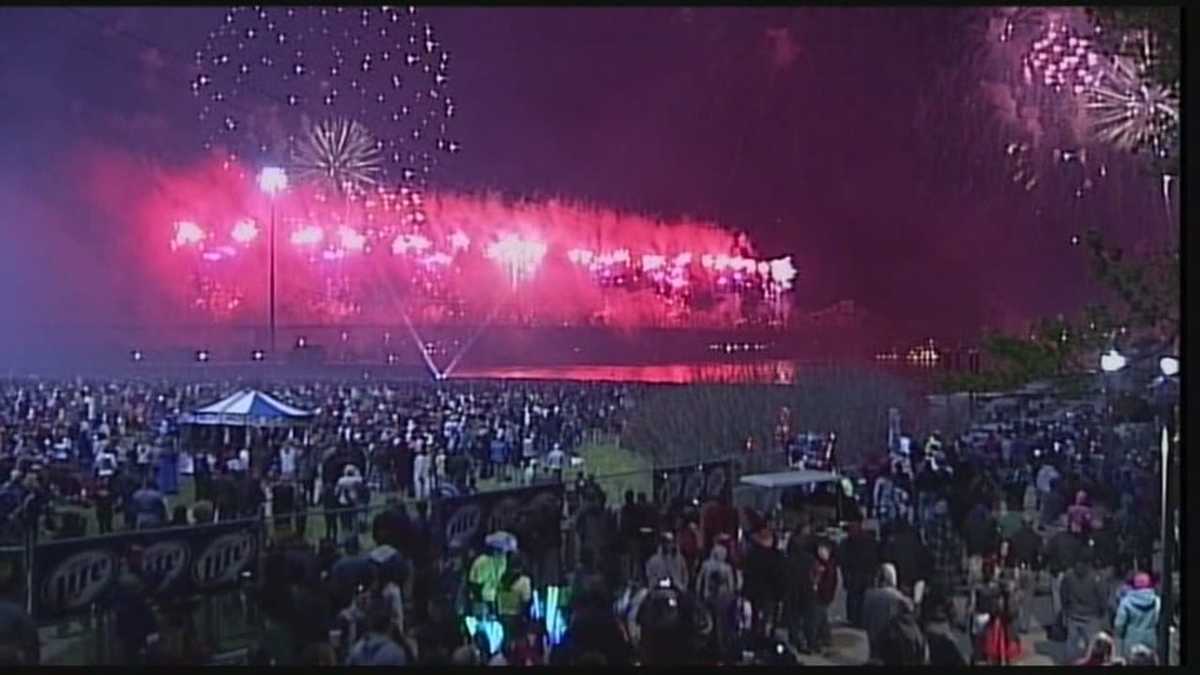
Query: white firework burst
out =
(340, 153)
(1131, 111)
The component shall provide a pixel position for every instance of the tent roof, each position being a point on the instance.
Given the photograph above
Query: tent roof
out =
(785, 479)
(248, 407)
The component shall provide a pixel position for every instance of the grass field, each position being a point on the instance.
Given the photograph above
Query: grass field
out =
(616, 469)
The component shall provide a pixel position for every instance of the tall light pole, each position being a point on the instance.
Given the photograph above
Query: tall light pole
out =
(1169, 365)
(272, 180)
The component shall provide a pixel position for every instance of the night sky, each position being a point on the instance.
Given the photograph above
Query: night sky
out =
(866, 142)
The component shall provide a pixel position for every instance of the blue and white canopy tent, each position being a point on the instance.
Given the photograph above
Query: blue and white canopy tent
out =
(248, 408)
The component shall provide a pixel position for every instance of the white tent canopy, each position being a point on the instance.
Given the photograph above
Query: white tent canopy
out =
(247, 407)
(787, 479)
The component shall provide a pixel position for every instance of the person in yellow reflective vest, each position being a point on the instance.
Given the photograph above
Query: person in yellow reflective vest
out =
(513, 597)
(484, 578)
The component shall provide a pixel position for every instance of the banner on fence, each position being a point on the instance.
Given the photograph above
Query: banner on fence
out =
(532, 514)
(696, 483)
(71, 575)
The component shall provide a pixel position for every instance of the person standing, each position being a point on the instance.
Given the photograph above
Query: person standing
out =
(1084, 606)
(667, 564)
(881, 605)
(103, 499)
(859, 556)
(1137, 617)
(149, 507)
(287, 463)
(421, 473)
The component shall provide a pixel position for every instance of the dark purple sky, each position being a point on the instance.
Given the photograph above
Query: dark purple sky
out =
(854, 139)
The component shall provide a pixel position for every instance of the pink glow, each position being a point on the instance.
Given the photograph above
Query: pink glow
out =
(244, 231)
(187, 233)
(309, 235)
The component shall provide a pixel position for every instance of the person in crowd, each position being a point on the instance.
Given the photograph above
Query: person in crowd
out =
(667, 564)
(1026, 546)
(717, 587)
(901, 642)
(486, 573)
(903, 548)
(981, 537)
(149, 506)
(880, 605)
(1100, 652)
(1008, 522)
(349, 490)
(1084, 606)
(513, 597)
(1136, 621)
(948, 647)
(1062, 552)
(763, 568)
(377, 647)
(104, 501)
(946, 548)
(1080, 516)
(800, 586)
(422, 472)
(825, 575)
(859, 558)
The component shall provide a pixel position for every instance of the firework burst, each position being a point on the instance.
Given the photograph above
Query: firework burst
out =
(341, 154)
(1129, 110)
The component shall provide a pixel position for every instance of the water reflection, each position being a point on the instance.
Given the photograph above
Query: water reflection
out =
(767, 372)
(760, 372)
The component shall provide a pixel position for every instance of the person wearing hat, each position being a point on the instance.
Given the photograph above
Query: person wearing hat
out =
(1136, 622)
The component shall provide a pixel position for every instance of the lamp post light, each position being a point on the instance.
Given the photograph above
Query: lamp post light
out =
(1111, 362)
(272, 180)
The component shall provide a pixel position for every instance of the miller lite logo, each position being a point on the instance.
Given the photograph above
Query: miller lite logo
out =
(79, 580)
(167, 561)
(463, 525)
(224, 559)
(716, 482)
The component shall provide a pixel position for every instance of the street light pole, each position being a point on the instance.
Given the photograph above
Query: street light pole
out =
(1166, 609)
(272, 180)
(271, 275)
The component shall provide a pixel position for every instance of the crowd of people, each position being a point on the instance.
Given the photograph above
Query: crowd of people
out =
(955, 539)
(74, 452)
